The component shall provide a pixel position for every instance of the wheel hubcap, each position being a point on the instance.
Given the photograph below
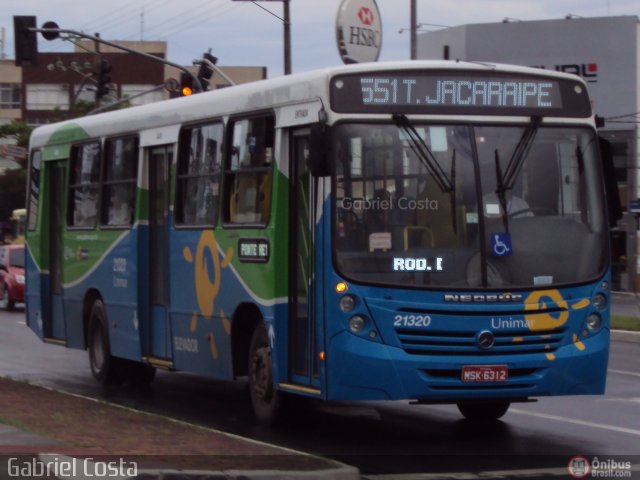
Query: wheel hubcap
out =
(261, 374)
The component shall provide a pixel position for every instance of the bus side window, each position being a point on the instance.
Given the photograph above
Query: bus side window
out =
(119, 185)
(199, 161)
(248, 175)
(84, 185)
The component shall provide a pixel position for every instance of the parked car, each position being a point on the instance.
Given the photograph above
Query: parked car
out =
(11, 276)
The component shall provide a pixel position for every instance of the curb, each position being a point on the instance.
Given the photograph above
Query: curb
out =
(339, 472)
(625, 336)
(344, 473)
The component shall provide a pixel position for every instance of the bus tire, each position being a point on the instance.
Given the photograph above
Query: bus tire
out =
(106, 369)
(7, 302)
(265, 398)
(483, 411)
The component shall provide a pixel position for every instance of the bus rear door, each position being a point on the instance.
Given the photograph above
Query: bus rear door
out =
(53, 317)
(157, 252)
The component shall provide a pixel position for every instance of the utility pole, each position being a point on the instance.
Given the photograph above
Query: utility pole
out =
(97, 63)
(414, 28)
(287, 38)
(2, 55)
(286, 20)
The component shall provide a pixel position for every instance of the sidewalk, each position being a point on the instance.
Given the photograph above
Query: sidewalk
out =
(627, 304)
(40, 427)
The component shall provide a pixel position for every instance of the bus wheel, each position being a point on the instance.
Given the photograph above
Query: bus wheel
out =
(483, 411)
(264, 397)
(106, 369)
(6, 302)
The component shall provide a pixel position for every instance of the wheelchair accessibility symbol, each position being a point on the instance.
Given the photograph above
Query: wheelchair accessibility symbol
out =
(501, 245)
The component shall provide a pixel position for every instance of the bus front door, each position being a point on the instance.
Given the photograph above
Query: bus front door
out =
(159, 335)
(303, 327)
(53, 319)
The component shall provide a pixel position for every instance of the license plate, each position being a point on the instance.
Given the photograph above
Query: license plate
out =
(485, 373)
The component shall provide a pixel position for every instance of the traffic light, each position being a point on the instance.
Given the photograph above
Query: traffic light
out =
(26, 44)
(104, 79)
(205, 71)
(186, 84)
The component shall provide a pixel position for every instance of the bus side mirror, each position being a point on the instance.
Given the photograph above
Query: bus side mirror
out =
(614, 209)
(319, 147)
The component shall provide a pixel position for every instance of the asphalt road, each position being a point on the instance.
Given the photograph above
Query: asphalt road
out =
(377, 437)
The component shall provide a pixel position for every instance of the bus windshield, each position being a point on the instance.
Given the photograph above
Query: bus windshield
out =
(460, 206)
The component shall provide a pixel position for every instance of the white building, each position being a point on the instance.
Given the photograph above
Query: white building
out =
(605, 51)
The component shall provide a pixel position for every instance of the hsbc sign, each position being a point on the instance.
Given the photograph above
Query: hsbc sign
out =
(359, 31)
(588, 71)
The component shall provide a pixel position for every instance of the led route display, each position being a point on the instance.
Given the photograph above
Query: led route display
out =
(482, 93)
(459, 93)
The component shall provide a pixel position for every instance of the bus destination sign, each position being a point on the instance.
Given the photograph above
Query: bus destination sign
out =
(458, 93)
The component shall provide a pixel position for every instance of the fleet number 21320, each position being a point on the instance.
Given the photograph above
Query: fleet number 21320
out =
(412, 321)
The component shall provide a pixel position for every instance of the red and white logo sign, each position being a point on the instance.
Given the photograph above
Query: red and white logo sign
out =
(579, 467)
(359, 31)
(366, 16)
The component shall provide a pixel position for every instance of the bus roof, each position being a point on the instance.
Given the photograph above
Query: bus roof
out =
(254, 96)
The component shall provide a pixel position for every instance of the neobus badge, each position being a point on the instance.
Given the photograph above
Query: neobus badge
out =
(493, 298)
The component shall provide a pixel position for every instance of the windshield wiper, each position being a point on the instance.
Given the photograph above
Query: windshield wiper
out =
(507, 179)
(520, 153)
(424, 153)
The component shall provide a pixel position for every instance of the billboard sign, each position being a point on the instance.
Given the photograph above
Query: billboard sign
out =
(359, 31)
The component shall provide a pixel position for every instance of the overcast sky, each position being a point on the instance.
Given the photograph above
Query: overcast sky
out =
(241, 33)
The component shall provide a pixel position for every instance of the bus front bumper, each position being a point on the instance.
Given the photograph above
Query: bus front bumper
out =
(358, 369)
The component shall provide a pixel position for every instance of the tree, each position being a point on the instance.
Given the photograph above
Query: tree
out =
(17, 130)
(13, 184)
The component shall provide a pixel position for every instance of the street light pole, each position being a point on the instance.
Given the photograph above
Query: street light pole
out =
(51, 32)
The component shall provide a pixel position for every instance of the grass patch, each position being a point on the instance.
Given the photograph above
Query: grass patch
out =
(620, 322)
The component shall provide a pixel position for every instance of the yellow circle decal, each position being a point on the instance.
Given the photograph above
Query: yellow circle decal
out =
(207, 283)
(538, 301)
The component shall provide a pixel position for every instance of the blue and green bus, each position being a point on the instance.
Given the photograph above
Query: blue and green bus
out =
(433, 231)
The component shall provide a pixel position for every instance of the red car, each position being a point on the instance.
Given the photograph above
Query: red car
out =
(11, 276)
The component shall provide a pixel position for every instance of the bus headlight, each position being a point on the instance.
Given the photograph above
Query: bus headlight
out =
(599, 301)
(347, 303)
(357, 323)
(593, 322)
(20, 279)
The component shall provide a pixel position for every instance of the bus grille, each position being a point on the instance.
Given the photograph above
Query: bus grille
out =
(417, 342)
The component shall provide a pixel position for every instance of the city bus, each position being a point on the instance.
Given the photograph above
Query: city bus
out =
(429, 230)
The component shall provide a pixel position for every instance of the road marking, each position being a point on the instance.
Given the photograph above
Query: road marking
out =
(21, 322)
(622, 372)
(575, 421)
(626, 400)
(532, 473)
(528, 473)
